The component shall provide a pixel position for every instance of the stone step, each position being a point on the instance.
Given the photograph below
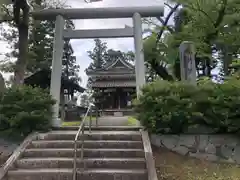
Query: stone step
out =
(87, 144)
(101, 153)
(109, 163)
(101, 128)
(67, 174)
(94, 135)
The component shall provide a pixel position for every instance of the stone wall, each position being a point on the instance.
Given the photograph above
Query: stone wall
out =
(219, 148)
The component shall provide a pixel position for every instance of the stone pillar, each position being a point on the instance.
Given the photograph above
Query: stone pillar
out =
(139, 55)
(187, 62)
(55, 86)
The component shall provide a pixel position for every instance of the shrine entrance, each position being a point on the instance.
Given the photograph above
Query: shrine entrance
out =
(118, 100)
(95, 13)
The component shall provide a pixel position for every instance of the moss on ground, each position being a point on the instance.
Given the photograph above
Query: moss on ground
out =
(132, 121)
(76, 123)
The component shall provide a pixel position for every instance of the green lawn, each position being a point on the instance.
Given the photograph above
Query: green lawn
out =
(76, 123)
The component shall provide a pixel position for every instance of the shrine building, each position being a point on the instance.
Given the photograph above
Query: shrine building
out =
(117, 83)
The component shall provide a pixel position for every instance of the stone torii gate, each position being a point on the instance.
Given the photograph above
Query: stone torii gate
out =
(95, 13)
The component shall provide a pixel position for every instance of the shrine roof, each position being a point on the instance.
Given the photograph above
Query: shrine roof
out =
(111, 84)
(116, 67)
(42, 79)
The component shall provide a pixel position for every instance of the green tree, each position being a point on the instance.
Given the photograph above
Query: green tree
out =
(17, 12)
(213, 27)
(112, 55)
(2, 85)
(41, 47)
(98, 54)
(70, 67)
(84, 100)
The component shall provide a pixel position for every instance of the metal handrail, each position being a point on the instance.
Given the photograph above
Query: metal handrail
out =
(81, 129)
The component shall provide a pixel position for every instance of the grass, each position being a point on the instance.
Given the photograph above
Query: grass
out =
(132, 121)
(76, 123)
(171, 166)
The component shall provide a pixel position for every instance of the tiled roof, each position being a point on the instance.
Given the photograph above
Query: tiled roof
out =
(114, 84)
(118, 66)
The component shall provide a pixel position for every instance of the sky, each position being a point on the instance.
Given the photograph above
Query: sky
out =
(82, 46)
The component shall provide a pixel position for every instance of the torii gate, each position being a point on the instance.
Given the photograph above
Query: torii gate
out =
(95, 13)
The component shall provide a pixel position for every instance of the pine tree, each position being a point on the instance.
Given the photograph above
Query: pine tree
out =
(98, 54)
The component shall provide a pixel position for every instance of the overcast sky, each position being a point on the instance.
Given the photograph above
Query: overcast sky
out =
(82, 46)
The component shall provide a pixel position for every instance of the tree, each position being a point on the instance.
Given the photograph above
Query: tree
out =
(84, 100)
(98, 54)
(70, 68)
(112, 55)
(213, 27)
(20, 17)
(2, 84)
(22, 24)
(41, 46)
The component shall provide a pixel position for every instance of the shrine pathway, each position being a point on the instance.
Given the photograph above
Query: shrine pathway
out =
(112, 121)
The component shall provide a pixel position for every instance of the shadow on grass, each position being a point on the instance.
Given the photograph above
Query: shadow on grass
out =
(172, 166)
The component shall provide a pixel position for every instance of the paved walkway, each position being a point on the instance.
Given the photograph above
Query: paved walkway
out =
(112, 121)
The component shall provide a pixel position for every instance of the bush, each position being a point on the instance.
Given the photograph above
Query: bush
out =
(25, 109)
(167, 107)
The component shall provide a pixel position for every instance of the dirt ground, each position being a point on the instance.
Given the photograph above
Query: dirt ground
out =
(171, 166)
(6, 149)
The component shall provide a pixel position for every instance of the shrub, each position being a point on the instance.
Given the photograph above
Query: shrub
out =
(167, 107)
(25, 109)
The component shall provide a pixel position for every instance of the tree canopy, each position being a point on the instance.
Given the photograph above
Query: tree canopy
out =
(40, 46)
(214, 28)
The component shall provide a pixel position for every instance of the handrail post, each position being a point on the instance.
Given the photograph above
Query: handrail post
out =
(97, 111)
(82, 149)
(80, 133)
(74, 161)
(90, 123)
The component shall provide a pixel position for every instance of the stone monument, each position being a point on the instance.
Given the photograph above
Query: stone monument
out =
(187, 62)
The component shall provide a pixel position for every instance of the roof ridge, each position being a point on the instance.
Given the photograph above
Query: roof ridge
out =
(123, 61)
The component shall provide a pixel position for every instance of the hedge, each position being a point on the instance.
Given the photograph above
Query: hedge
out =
(167, 107)
(24, 110)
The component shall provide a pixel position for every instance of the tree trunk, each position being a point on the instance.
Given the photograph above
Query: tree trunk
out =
(22, 57)
(21, 63)
(226, 62)
(62, 102)
(2, 84)
(227, 58)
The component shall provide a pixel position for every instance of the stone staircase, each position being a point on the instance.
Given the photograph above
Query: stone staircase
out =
(117, 153)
